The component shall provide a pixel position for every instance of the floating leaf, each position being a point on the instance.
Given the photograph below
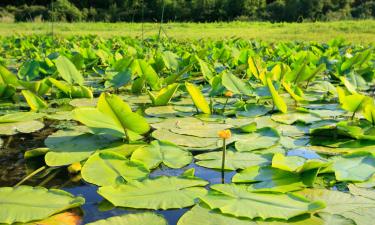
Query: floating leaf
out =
(160, 193)
(160, 152)
(238, 201)
(107, 168)
(233, 160)
(24, 204)
(263, 138)
(146, 218)
(356, 167)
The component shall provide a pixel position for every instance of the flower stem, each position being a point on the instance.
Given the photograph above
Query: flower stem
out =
(224, 152)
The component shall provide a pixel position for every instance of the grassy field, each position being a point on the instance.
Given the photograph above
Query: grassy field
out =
(353, 31)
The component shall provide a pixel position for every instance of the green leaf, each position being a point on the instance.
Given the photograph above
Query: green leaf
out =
(277, 100)
(99, 122)
(25, 204)
(68, 71)
(119, 79)
(369, 113)
(198, 98)
(35, 102)
(20, 117)
(356, 207)
(205, 69)
(6, 77)
(107, 168)
(270, 179)
(238, 201)
(159, 193)
(296, 163)
(235, 84)
(158, 152)
(262, 139)
(357, 167)
(25, 127)
(149, 75)
(164, 96)
(121, 113)
(146, 218)
(256, 67)
(233, 160)
(200, 215)
(293, 117)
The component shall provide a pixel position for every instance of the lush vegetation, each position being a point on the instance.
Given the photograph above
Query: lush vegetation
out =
(359, 32)
(188, 10)
(240, 132)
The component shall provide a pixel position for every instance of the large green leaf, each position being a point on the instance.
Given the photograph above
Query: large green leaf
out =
(238, 201)
(164, 96)
(107, 168)
(159, 193)
(160, 152)
(235, 84)
(369, 113)
(68, 71)
(20, 117)
(263, 138)
(67, 147)
(200, 215)
(357, 167)
(198, 98)
(146, 218)
(121, 113)
(149, 75)
(25, 127)
(271, 179)
(356, 207)
(296, 163)
(25, 204)
(277, 100)
(233, 160)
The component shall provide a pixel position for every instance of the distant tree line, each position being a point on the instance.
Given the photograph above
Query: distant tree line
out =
(187, 10)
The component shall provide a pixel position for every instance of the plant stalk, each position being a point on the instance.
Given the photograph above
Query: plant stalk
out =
(30, 176)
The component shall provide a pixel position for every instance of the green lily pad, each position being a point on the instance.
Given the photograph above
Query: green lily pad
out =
(158, 152)
(237, 200)
(253, 110)
(356, 207)
(107, 168)
(271, 179)
(291, 118)
(160, 193)
(296, 163)
(199, 215)
(24, 204)
(233, 161)
(358, 167)
(25, 127)
(146, 218)
(263, 138)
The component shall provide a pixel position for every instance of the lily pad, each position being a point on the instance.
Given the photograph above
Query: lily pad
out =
(238, 201)
(20, 127)
(263, 138)
(107, 168)
(358, 167)
(160, 193)
(291, 118)
(199, 215)
(233, 161)
(24, 204)
(158, 152)
(133, 219)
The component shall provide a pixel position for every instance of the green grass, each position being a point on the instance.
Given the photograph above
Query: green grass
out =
(352, 31)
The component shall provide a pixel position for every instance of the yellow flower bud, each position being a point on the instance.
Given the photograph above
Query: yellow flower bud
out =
(228, 94)
(225, 134)
(75, 167)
